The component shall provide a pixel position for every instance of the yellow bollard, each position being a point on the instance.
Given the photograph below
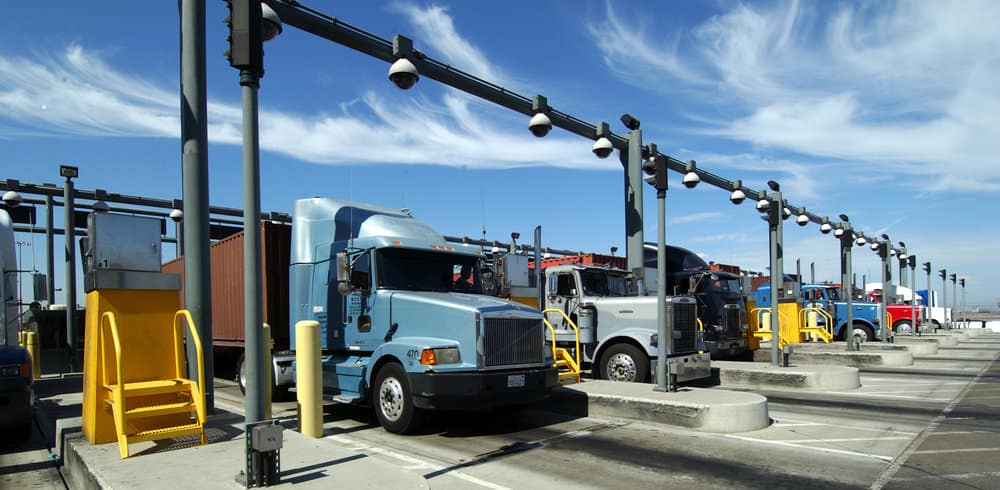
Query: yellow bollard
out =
(22, 338)
(308, 378)
(33, 350)
(268, 374)
(765, 321)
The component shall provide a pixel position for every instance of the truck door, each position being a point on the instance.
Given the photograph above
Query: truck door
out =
(565, 299)
(359, 305)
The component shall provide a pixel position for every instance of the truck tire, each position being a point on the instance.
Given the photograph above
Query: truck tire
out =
(903, 327)
(393, 401)
(624, 362)
(278, 393)
(863, 332)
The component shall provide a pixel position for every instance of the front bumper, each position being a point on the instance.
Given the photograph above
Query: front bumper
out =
(726, 347)
(481, 389)
(688, 367)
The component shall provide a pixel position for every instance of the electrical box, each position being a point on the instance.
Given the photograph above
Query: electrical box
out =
(790, 291)
(122, 242)
(266, 438)
(516, 271)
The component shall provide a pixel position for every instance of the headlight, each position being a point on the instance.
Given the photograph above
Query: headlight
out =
(431, 357)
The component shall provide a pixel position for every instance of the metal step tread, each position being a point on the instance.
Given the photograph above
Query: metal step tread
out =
(154, 387)
(161, 409)
(165, 433)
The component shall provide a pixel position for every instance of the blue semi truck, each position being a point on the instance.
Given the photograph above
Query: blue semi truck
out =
(17, 396)
(864, 316)
(405, 326)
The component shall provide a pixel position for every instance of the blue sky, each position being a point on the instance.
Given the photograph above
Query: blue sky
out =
(883, 110)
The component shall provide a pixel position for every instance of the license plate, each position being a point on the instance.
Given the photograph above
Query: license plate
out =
(515, 381)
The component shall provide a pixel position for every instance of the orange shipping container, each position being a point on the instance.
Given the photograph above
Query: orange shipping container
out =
(226, 258)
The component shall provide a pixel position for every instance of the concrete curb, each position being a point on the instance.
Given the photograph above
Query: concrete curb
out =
(918, 345)
(943, 340)
(705, 410)
(733, 374)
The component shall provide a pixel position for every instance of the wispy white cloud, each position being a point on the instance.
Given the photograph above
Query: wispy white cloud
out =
(76, 93)
(902, 87)
(698, 217)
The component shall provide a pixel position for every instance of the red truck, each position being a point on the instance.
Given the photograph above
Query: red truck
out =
(901, 313)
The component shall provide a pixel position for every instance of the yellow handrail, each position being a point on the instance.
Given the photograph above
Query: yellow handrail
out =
(701, 328)
(201, 358)
(120, 366)
(888, 317)
(825, 314)
(552, 330)
(782, 320)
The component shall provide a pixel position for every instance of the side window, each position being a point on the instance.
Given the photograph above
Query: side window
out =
(566, 285)
(361, 270)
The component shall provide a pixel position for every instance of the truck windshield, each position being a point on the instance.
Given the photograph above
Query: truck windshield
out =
(600, 283)
(418, 270)
(833, 293)
(722, 285)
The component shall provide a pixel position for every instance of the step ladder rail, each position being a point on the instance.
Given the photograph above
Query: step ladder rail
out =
(825, 332)
(573, 363)
(108, 318)
(199, 396)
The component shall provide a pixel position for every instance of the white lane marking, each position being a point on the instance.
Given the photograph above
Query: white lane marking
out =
(812, 448)
(968, 450)
(963, 432)
(894, 396)
(956, 476)
(851, 439)
(900, 460)
(796, 423)
(900, 382)
(895, 392)
(414, 463)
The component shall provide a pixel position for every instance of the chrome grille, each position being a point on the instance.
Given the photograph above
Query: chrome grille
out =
(733, 321)
(685, 326)
(509, 342)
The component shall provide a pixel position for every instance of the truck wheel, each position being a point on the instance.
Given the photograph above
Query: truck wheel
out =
(278, 393)
(902, 327)
(863, 333)
(393, 401)
(624, 362)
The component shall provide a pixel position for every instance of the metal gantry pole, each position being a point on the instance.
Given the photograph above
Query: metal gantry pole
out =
(69, 237)
(886, 287)
(194, 149)
(846, 247)
(944, 298)
(954, 297)
(777, 271)
(964, 314)
(539, 273)
(632, 160)
(253, 296)
(913, 295)
(50, 260)
(664, 328)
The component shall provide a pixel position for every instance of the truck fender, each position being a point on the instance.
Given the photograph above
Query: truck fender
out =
(640, 336)
(406, 351)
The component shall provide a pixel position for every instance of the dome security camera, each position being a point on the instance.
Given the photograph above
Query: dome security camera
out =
(176, 215)
(875, 247)
(802, 220)
(786, 213)
(763, 205)
(861, 241)
(603, 147)
(540, 125)
(825, 228)
(404, 74)
(12, 198)
(738, 196)
(270, 22)
(839, 232)
(691, 180)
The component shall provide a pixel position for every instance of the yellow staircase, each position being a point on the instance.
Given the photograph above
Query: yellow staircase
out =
(810, 318)
(152, 409)
(764, 319)
(568, 364)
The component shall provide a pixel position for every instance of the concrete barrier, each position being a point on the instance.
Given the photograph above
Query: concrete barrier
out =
(756, 375)
(918, 346)
(707, 410)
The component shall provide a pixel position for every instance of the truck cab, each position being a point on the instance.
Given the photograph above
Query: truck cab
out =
(404, 323)
(864, 316)
(618, 330)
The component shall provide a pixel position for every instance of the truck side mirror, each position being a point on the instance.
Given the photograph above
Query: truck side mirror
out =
(343, 273)
(552, 285)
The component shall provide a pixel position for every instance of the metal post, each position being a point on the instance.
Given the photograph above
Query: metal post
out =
(69, 237)
(194, 149)
(50, 261)
(913, 296)
(252, 295)
(798, 270)
(812, 273)
(944, 298)
(886, 287)
(927, 307)
(632, 160)
(539, 273)
(846, 246)
(964, 315)
(664, 330)
(954, 298)
(777, 272)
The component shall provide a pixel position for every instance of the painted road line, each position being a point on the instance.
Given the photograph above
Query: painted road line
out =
(810, 448)
(964, 450)
(842, 426)
(850, 439)
(954, 476)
